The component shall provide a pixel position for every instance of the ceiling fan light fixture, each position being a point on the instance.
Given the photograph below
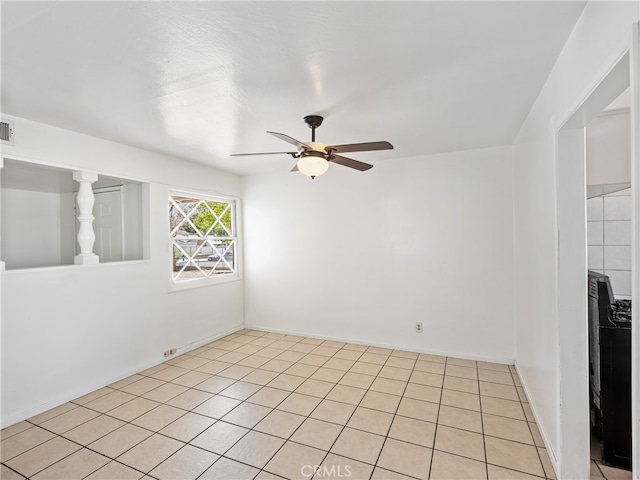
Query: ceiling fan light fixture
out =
(312, 166)
(314, 157)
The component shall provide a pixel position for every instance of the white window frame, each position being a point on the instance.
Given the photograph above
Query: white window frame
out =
(186, 284)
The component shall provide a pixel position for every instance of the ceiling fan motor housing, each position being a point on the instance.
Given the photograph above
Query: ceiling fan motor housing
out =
(313, 121)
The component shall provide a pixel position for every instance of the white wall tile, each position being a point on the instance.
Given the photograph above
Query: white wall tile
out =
(617, 257)
(617, 208)
(620, 282)
(617, 232)
(595, 209)
(596, 258)
(595, 233)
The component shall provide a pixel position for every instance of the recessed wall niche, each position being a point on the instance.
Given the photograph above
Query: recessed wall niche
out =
(39, 225)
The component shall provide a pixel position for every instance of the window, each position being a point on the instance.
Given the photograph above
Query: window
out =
(203, 237)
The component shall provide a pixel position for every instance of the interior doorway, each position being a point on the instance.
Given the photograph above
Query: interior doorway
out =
(610, 266)
(574, 421)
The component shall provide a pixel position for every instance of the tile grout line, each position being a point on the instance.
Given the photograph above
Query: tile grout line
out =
(367, 390)
(484, 438)
(533, 439)
(272, 409)
(323, 398)
(158, 432)
(435, 431)
(522, 443)
(141, 395)
(249, 430)
(220, 420)
(189, 443)
(386, 437)
(309, 416)
(125, 423)
(262, 386)
(7, 466)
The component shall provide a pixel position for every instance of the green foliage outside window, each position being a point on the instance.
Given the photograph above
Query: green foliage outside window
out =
(203, 237)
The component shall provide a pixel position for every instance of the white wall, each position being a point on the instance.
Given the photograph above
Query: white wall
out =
(92, 325)
(132, 221)
(363, 256)
(608, 141)
(67, 228)
(593, 47)
(37, 241)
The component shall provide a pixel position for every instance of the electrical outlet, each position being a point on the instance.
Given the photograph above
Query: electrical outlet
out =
(170, 352)
(419, 327)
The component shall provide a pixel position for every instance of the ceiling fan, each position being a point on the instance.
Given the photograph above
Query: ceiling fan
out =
(314, 157)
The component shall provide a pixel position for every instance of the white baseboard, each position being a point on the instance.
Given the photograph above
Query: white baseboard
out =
(536, 417)
(79, 392)
(505, 361)
(204, 341)
(28, 413)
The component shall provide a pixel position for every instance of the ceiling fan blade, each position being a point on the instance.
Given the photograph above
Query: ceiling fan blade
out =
(351, 163)
(295, 168)
(361, 147)
(261, 153)
(288, 139)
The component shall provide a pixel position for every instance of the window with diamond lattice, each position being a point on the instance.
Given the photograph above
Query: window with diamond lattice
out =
(203, 237)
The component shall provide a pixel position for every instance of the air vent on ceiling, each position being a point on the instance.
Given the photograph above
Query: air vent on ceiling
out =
(7, 132)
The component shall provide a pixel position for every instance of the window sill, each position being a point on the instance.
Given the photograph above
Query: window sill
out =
(201, 282)
(58, 268)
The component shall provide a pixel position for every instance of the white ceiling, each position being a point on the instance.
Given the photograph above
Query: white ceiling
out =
(200, 80)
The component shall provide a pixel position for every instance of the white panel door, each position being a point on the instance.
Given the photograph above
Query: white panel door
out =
(107, 225)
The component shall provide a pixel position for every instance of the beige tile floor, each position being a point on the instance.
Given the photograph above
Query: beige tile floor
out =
(600, 471)
(268, 406)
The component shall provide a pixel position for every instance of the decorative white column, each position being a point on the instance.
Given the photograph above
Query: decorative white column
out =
(86, 235)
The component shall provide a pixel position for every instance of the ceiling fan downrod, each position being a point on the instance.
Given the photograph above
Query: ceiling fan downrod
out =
(313, 122)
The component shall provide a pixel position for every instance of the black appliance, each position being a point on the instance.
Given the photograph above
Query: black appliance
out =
(610, 371)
